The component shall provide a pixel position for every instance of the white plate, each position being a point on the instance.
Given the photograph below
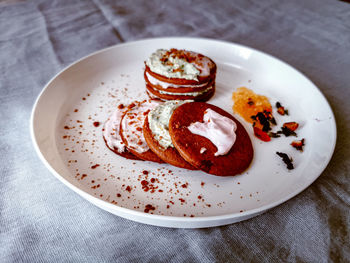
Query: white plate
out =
(188, 199)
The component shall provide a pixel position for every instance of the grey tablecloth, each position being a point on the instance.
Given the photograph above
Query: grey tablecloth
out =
(42, 220)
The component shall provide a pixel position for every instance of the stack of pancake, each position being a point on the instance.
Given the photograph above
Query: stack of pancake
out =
(179, 75)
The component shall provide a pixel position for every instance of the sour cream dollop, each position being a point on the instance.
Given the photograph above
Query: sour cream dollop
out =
(219, 129)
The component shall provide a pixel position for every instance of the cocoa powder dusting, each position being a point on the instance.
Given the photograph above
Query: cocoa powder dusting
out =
(149, 208)
(95, 166)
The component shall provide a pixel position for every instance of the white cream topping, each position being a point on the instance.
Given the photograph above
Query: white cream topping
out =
(176, 67)
(195, 93)
(158, 119)
(132, 124)
(166, 85)
(202, 150)
(219, 129)
(111, 130)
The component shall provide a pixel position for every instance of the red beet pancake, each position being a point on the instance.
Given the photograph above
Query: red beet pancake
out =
(200, 97)
(131, 130)
(190, 146)
(169, 87)
(111, 134)
(169, 155)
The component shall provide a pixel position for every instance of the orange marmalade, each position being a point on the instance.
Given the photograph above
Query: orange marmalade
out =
(248, 104)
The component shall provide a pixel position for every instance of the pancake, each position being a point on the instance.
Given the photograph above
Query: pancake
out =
(156, 133)
(111, 134)
(131, 130)
(169, 73)
(200, 151)
(196, 96)
(165, 86)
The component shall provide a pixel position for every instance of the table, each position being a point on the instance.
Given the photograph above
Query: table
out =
(41, 220)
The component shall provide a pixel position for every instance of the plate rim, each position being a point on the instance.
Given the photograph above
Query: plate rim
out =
(180, 219)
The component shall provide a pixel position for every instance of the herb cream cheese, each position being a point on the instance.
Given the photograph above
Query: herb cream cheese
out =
(173, 68)
(158, 119)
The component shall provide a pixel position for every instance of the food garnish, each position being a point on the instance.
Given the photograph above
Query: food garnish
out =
(289, 128)
(298, 144)
(280, 109)
(261, 134)
(286, 159)
(247, 103)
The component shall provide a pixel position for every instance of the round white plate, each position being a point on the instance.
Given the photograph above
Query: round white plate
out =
(87, 91)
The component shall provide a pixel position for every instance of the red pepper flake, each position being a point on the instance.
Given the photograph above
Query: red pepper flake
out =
(199, 197)
(83, 176)
(265, 118)
(202, 184)
(128, 188)
(144, 183)
(289, 128)
(178, 70)
(291, 125)
(83, 98)
(164, 59)
(119, 195)
(66, 127)
(261, 134)
(145, 172)
(76, 110)
(146, 112)
(121, 106)
(184, 185)
(182, 200)
(149, 208)
(153, 180)
(288, 161)
(95, 166)
(298, 144)
(139, 129)
(96, 123)
(280, 109)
